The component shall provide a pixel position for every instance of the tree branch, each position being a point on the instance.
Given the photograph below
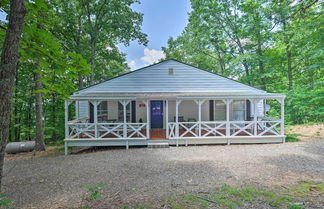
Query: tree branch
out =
(301, 9)
(3, 27)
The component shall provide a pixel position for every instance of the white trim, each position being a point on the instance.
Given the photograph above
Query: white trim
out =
(167, 119)
(282, 118)
(95, 117)
(264, 96)
(66, 110)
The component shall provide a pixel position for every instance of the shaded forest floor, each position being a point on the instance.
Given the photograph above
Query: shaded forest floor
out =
(289, 175)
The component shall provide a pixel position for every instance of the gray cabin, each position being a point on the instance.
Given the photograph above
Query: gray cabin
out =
(172, 103)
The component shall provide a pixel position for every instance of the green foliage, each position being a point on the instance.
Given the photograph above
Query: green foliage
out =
(275, 46)
(305, 188)
(292, 137)
(4, 201)
(58, 42)
(94, 191)
(246, 197)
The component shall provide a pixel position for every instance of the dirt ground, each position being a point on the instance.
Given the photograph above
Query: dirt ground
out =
(311, 132)
(141, 174)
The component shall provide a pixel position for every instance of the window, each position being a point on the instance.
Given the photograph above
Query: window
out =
(121, 112)
(220, 110)
(102, 111)
(238, 110)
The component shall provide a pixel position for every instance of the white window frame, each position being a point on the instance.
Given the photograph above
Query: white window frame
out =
(244, 109)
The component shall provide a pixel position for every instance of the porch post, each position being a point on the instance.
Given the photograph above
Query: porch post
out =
(167, 118)
(177, 117)
(199, 118)
(199, 102)
(228, 124)
(255, 116)
(66, 108)
(148, 119)
(124, 103)
(77, 110)
(282, 117)
(95, 117)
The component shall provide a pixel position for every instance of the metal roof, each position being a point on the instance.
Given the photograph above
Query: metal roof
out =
(156, 78)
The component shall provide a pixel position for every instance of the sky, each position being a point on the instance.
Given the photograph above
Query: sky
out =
(162, 19)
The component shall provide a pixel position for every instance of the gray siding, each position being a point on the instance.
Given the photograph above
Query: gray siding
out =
(156, 79)
(83, 109)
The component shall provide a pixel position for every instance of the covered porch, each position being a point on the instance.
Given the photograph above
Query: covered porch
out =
(181, 120)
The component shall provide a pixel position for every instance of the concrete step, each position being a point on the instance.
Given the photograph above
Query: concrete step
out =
(158, 145)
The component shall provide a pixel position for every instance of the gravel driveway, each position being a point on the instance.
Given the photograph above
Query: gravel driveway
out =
(141, 174)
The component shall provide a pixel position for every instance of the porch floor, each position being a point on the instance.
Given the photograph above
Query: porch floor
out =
(157, 134)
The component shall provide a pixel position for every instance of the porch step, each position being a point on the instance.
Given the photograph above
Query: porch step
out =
(157, 145)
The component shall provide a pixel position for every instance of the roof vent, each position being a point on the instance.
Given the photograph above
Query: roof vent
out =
(170, 71)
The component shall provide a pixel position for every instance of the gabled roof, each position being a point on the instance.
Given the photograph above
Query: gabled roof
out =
(156, 78)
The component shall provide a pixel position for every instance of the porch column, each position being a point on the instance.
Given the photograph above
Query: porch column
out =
(167, 118)
(199, 102)
(282, 117)
(255, 115)
(148, 119)
(77, 110)
(228, 125)
(95, 117)
(66, 108)
(124, 103)
(66, 120)
(177, 117)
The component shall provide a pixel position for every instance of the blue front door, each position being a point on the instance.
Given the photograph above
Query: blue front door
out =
(157, 114)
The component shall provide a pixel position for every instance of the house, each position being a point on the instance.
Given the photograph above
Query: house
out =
(174, 103)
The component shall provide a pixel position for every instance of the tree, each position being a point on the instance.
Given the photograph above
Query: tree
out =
(43, 54)
(8, 66)
(275, 46)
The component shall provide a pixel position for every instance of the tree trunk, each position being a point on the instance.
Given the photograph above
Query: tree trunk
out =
(289, 58)
(79, 50)
(8, 67)
(221, 64)
(261, 66)
(29, 118)
(15, 113)
(247, 72)
(289, 68)
(92, 59)
(53, 117)
(39, 145)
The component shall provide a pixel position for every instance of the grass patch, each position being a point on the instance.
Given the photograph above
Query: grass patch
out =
(305, 188)
(4, 201)
(292, 137)
(232, 197)
(236, 197)
(94, 191)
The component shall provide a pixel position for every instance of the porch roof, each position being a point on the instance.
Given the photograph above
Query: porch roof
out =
(168, 78)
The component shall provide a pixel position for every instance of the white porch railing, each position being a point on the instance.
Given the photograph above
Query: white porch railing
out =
(136, 130)
(107, 130)
(214, 129)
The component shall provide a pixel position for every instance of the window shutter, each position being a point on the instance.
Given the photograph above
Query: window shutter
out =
(248, 110)
(133, 111)
(211, 110)
(91, 108)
